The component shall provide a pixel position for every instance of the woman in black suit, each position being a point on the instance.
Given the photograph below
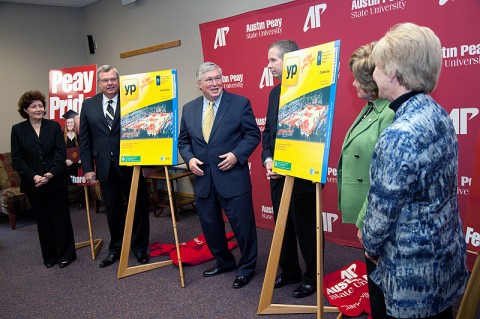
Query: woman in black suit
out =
(39, 154)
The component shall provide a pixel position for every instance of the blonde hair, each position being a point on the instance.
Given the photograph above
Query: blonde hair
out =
(414, 53)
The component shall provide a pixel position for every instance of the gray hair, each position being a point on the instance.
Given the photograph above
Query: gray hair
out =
(206, 67)
(105, 68)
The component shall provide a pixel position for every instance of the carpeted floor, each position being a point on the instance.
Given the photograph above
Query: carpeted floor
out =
(83, 290)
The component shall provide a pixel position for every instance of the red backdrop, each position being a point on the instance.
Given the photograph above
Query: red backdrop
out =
(239, 44)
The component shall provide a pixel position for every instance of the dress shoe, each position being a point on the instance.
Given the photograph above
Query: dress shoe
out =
(241, 281)
(142, 258)
(304, 290)
(215, 271)
(282, 280)
(108, 261)
(49, 265)
(64, 264)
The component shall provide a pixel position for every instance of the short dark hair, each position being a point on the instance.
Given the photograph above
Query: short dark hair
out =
(27, 98)
(284, 46)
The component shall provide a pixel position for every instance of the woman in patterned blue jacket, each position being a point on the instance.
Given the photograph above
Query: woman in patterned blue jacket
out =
(412, 228)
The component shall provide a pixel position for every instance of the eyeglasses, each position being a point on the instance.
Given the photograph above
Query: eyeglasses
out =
(217, 79)
(105, 81)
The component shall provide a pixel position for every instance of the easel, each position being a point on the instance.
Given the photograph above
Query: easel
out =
(265, 306)
(471, 297)
(95, 244)
(123, 269)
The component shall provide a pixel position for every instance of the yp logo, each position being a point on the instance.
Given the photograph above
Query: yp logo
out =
(291, 71)
(130, 89)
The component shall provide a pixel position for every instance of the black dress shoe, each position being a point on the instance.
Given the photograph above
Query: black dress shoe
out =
(304, 290)
(241, 281)
(64, 264)
(108, 261)
(282, 280)
(215, 271)
(142, 258)
(49, 265)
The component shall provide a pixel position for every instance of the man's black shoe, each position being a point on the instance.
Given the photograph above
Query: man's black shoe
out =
(64, 264)
(304, 290)
(216, 271)
(282, 280)
(108, 261)
(241, 281)
(142, 258)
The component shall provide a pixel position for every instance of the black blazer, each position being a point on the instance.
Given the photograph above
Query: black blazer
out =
(36, 155)
(98, 144)
(268, 142)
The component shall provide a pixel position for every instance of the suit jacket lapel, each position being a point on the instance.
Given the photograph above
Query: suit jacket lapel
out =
(44, 132)
(116, 118)
(30, 132)
(221, 111)
(197, 116)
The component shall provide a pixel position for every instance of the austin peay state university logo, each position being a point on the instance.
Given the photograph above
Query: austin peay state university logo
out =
(313, 16)
(220, 37)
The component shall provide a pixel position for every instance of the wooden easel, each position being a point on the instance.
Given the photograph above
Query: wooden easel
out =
(471, 297)
(94, 244)
(123, 269)
(265, 306)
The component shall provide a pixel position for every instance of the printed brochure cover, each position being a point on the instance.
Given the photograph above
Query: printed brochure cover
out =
(149, 112)
(305, 115)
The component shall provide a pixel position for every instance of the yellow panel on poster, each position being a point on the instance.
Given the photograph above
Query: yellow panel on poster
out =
(305, 115)
(149, 108)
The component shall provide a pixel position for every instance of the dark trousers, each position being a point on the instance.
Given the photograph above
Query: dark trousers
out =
(239, 211)
(55, 231)
(114, 191)
(301, 225)
(377, 300)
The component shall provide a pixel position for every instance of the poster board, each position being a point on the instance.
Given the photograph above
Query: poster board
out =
(148, 115)
(305, 116)
(67, 89)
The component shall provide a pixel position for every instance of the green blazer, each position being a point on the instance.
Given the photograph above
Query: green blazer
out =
(353, 179)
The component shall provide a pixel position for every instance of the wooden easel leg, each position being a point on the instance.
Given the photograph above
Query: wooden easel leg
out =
(123, 269)
(94, 244)
(471, 297)
(277, 240)
(265, 306)
(174, 223)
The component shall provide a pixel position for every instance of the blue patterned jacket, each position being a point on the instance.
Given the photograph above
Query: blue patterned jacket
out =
(412, 220)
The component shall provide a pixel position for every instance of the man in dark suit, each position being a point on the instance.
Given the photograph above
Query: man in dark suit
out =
(99, 152)
(301, 220)
(217, 153)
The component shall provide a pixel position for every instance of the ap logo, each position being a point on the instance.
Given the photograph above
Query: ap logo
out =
(220, 37)
(267, 78)
(313, 16)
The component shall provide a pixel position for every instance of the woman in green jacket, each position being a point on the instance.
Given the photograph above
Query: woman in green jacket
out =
(354, 164)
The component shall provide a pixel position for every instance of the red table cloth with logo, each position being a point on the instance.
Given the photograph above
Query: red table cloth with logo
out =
(192, 252)
(347, 289)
